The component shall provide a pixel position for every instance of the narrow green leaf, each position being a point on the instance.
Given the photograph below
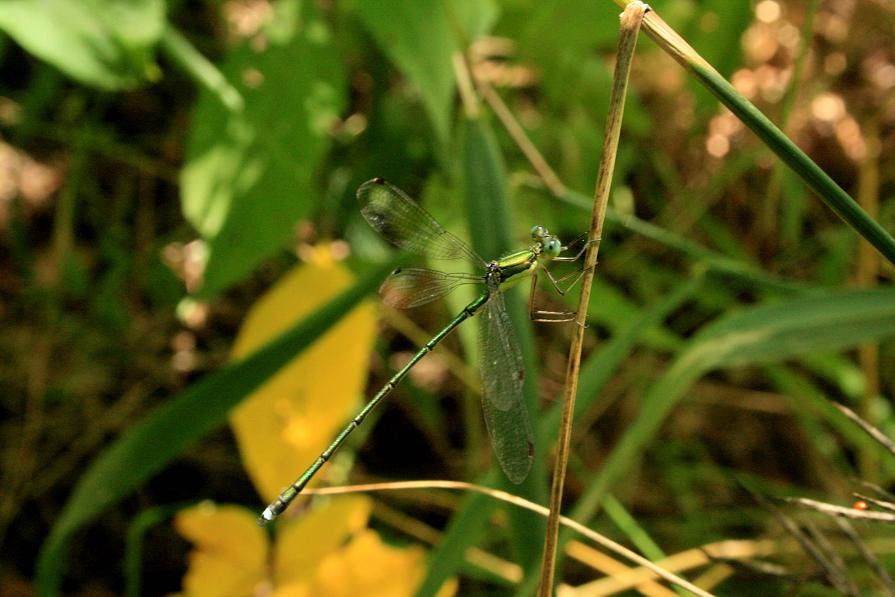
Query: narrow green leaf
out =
(133, 550)
(248, 175)
(172, 428)
(836, 321)
(816, 179)
(212, 80)
(596, 371)
(715, 261)
(417, 37)
(103, 43)
(474, 17)
(490, 225)
(759, 335)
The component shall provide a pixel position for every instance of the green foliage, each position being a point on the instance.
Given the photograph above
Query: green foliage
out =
(248, 175)
(106, 44)
(417, 37)
(722, 286)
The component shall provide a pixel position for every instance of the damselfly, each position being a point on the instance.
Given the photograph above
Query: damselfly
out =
(402, 222)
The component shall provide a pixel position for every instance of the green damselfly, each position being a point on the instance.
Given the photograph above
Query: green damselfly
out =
(403, 223)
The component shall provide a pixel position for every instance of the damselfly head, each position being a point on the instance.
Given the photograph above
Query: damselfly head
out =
(546, 245)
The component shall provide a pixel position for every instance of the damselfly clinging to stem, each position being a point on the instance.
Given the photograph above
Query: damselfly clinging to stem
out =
(407, 225)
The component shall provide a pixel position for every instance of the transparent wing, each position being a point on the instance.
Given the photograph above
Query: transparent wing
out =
(511, 438)
(405, 224)
(503, 371)
(503, 403)
(414, 286)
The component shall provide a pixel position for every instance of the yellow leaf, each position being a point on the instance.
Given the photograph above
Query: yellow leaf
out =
(369, 567)
(285, 424)
(304, 542)
(230, 554)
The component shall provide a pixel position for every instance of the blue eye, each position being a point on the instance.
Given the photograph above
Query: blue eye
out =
(538, 232)
(553, 247)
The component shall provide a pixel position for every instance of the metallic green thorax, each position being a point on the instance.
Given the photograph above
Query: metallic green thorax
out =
(514, 264)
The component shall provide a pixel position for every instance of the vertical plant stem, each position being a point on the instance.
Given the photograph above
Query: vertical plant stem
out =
(630, 26)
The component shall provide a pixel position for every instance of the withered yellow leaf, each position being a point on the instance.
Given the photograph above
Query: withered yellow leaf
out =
(286, 423)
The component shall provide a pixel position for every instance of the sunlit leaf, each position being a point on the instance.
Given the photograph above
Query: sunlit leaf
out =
(103, 43)
(247, 176)
(287, 422)
(230, 551)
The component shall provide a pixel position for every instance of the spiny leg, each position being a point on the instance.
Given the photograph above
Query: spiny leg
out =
(533, 314)
(578, 255)
(555, 282)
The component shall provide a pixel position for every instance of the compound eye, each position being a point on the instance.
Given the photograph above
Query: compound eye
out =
(553, 247)
(538, 232)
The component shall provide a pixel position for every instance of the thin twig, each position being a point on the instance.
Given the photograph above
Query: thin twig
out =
(521, 503)
(842, 511)
(868, 555)
(876, 502)
(877, 435)
(515, 130)
(630, 26)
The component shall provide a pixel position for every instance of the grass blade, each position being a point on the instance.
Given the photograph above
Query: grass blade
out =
(816, 179)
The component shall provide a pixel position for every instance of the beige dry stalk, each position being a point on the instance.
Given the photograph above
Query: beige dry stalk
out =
(630, 27)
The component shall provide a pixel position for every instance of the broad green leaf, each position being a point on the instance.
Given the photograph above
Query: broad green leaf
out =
(248, 175)
(155, 441)
(417, 37)
(288, 421)
(107, 44)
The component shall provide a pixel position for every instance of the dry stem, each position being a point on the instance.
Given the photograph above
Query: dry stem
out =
(630, 26)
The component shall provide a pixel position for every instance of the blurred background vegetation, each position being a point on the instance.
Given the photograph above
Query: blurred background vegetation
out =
(164, 164)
